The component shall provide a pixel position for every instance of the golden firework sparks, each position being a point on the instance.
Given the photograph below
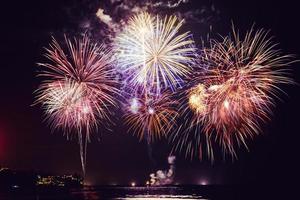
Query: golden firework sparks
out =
(234, 93)
(151, 117)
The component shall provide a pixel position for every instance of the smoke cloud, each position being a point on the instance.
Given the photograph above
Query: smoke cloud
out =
(164, 177)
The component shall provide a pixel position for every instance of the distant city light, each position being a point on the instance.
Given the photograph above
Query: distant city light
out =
(203, 182)
(133, 184)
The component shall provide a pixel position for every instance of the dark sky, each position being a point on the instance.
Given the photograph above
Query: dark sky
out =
(116, 157)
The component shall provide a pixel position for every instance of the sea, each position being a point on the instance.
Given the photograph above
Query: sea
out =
(140, 193)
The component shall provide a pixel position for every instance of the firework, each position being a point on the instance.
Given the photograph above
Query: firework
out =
(233, 93)
(78, 89)
(151, 117)
(153, 54)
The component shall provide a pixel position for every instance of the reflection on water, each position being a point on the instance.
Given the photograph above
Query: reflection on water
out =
(155, 197)
(126, 193)
(139, 193)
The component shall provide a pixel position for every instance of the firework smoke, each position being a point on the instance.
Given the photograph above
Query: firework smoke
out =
(112, 15)
(163, 177)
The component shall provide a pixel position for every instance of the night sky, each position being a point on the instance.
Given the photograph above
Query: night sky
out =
(26, 142)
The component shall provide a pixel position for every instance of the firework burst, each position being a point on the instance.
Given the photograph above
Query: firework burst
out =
(151, 117)
(152, 52)
(233, 93)
(78, 89)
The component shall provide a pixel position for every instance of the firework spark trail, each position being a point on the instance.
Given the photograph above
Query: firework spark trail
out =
(233, 93)
(153, 116)
(79, 88)
(153, 54)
